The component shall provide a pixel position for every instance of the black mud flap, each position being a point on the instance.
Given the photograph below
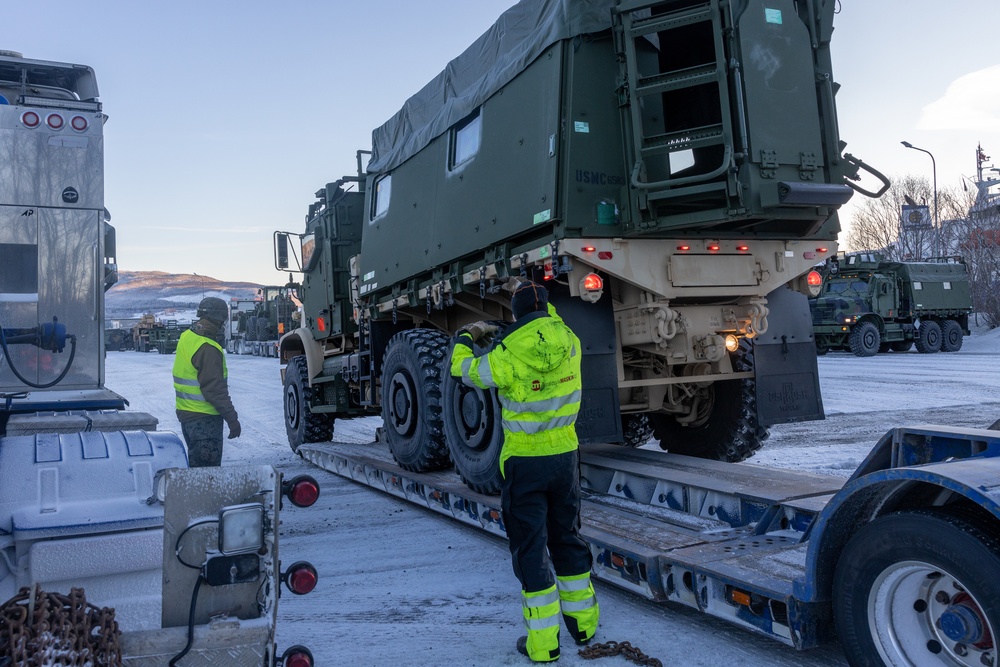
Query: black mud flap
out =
(787, 375)
(594, 323)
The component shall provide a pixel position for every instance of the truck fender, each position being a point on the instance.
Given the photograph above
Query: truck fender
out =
(970, 482)
(301, 341)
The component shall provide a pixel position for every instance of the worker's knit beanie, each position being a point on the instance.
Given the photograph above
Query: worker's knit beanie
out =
(527, 298)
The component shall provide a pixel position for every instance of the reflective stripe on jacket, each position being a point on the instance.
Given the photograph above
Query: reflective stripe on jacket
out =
(535, 367)
(186, 387)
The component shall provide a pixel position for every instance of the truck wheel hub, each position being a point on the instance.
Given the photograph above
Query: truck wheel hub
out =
(402, 415)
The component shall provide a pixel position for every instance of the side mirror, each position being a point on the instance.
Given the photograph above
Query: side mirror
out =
(281, 250)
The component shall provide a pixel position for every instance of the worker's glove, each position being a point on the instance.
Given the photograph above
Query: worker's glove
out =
(512, 284)
(480, 331)
(234, 428)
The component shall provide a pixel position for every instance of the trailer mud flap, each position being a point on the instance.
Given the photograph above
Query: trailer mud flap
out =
(594, 323)
(787, 375)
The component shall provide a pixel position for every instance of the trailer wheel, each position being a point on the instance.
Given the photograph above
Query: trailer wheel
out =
(951, 336)
(865, 340)
(636, 429)
(412, 401)
(919, 588)
(821, 350)
(901, 345)
(929, 337)
(474, 430)
(728, 429)
(301, 424)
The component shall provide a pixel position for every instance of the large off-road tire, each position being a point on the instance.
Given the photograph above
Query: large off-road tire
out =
(865, 340)
(636, 429)
(919, 588)
(252, 328)
(951, 336)
(301, 425)
(412, 400)
(901, 345)
(473, 429)
(929, 337)
(730, 432)
(821, 350)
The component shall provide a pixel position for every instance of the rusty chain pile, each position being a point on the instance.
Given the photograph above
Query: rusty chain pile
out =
(58, 630)
(610, 649)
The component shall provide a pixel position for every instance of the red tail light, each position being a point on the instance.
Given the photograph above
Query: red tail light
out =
(30, 119)
(814, 278)
(592, 282)
(55, 121)
(683, 248)
(742, 248)
(301, 577)
(821, 249)
(79, 123)
(297, 656)
(302, 491)
(713, 248)
(589, 248)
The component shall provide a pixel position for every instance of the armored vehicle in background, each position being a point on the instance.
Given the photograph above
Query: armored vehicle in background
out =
(112, 551)
(670, 169)
(869, 305)
(273, 315)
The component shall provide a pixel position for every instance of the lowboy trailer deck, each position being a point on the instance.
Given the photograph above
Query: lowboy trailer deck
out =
(780, 552)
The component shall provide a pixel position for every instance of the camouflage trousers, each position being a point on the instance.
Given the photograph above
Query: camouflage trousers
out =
(203, 436)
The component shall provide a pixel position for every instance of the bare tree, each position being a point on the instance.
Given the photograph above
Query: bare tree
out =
(976, 235)
(876, 225)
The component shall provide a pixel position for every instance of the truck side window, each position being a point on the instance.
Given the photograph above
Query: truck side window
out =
(465, 138)
(383, 192)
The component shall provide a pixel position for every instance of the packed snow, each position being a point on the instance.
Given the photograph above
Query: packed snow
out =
(400, 585)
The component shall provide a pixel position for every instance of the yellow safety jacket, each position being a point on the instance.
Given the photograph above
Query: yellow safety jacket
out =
(535, 368)
(186, 387)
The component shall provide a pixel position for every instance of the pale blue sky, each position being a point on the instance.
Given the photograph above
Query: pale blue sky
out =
(227, 116)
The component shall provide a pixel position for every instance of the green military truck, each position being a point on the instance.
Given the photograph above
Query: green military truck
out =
(869, 305)
(671, 170)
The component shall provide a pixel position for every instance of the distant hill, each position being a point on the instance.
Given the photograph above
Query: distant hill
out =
(168, 295)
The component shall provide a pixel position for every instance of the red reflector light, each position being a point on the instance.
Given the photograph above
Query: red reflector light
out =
(301, 577)
(713, 248)
(742, 248)
(592, 282)
(617, 560)
(55, 121)
(321, 324)
(302, 491)
(605, 254)
(814, 278)
(589, 248)
(30, 119)
(683, 248)
(79, 123)
(297, 656)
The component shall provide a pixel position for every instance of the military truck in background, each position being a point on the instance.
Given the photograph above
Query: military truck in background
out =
(670, 169)
(258, 328)
(239, 311)
(150, 333)
(869, 305)
(112, 551)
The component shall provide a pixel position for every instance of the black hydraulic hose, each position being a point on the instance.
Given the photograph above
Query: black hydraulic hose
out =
(190, 640)
(13, 369)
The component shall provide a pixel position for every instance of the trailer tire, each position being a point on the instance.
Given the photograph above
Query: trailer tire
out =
(636, 429)
(914, 585)
(731, 432)
(951, 336)
(901, 345)
(473, 428)
(865, 340)
(929, 337)
(821, 350)
(301, 425)
(412, 400)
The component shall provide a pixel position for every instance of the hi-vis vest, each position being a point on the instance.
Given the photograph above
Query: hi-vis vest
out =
(186, 387)
(536, 370)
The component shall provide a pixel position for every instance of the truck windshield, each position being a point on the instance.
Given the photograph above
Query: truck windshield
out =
(840, 286)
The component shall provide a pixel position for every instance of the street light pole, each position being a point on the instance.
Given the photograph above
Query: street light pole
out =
(937, 226)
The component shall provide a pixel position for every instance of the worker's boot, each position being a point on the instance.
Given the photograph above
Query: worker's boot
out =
(541, 620)
(579, 606)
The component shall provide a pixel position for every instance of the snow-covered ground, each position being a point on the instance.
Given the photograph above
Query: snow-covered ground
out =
(403, 586)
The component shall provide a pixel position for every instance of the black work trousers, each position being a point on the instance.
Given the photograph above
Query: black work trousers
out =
(540, 499)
